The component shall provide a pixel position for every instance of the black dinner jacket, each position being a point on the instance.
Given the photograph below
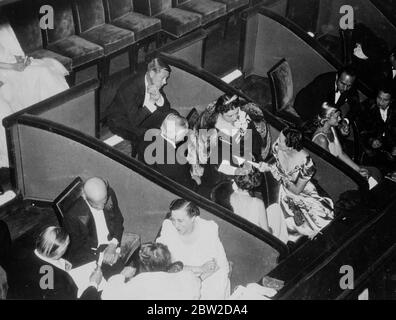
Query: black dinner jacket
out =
(128, 112)
(309, 100)
(173, 169)
(24, 282)
(80, 225)
(376, 128)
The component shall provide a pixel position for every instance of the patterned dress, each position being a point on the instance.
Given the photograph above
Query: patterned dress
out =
(308, 212)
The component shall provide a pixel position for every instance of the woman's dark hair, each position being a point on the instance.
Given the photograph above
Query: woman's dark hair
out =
(249, 181)
(154, 257)
(221, 194)
(226, 103)
(294, 138)
(191, 209)
(157, 64)
(385, 87)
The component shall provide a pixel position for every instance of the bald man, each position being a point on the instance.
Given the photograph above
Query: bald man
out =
(95, 224)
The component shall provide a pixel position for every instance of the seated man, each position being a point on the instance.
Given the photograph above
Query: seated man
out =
(95, 224)
(379, 131)
(165, 151)
(337, 88)
(140, 104)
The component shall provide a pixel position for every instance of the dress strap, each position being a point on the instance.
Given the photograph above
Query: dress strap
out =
(318, 134)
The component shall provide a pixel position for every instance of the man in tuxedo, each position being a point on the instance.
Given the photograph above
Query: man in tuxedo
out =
(336, 88)
(95, 224)
(140, 104)
(379, 130)
(392, 70)
(165, 150)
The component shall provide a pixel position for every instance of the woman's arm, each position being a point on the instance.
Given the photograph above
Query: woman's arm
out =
(321, 141)
(17, 66)
(296, 187)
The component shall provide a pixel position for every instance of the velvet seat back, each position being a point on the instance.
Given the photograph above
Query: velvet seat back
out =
(24, 19)
(90, 14)
(152, 7)
(63, 20)
(118, 8)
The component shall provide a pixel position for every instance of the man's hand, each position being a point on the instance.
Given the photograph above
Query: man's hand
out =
(154, 93)
(344, 127)
(376, 144)
(128, 272)
(110, 256)
(96, 276)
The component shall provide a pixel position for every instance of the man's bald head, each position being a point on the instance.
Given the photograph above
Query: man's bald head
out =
(95, 191)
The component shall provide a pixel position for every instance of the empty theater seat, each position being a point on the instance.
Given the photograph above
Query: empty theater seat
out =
(91, 25)
(63, 39)
(24, 19)
(175, 21)
(210, 10)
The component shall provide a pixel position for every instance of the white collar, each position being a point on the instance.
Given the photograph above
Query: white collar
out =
(60, 263)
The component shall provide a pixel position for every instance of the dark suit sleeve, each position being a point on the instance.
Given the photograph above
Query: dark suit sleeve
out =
(79, 250)
(115, 218)
(91, 293)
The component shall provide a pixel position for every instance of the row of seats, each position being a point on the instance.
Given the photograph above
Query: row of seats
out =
(91, 32)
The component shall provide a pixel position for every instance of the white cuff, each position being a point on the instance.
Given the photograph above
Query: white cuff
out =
(114, 241)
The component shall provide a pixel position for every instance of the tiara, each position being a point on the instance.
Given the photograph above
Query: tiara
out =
(233, 98)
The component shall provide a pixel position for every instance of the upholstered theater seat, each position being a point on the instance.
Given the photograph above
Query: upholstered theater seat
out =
(24, 20)
(91, 25)
(80, 50)
(178, 22)
(121, 14)
(110, 37)
(63, 39)
(44, 53)
(233, 5)
(175, 21)
(210, 10)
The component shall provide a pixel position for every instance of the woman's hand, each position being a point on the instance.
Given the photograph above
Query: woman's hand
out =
(264, 167)
(19, 66)
(128, 272)
(376, 144)
(209, 268)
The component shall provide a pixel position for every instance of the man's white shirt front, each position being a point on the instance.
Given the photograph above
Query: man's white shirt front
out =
(101, 226)
(384, 114)
(337, 94)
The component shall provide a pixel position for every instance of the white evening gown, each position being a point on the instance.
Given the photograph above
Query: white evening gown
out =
(182, 285)
(206, 247)
(42, 79)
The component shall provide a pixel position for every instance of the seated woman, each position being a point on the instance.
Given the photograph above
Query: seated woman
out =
(225, 132)
(29, 282)
(195, 242)
(305, 211)
(245, 204)
(326, 137)
(158, 278)
(25, 80)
